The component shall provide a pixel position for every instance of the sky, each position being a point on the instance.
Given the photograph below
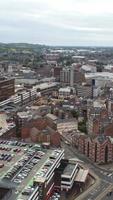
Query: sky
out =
(57, 22)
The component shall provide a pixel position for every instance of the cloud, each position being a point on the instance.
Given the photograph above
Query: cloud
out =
(66, 22)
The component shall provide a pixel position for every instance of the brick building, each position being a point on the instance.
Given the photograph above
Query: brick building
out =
(56, 72)
(98, 149)
(38, 130)
(7, 88)
(98, 119)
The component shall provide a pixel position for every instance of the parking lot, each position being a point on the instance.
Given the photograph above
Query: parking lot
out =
(19, 163)
(21, 159)
(9, 155)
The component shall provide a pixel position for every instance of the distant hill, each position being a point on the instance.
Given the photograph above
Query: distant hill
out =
(21, 46)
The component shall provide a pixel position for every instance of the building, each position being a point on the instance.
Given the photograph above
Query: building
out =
(35, 173)
(108, 68)
(7, 127)
(97, 118)
(99, 149)
(56, 72)
(66, 92)
(101, 78)
(46, 177)
(21, 98)
(7, 88)
(4, 66)
(79, 77)
(84, 90)
(65, 76)
(70, 76)
(88, 69)
(67, 126)
(68, 176)
(46, 88)
(52, 120)
(30, 175)
(32, 127)
(52, 56)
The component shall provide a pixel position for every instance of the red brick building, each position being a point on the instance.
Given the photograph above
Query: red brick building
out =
(37, 130)
(97, 119)
(7, 88)
(98, 149)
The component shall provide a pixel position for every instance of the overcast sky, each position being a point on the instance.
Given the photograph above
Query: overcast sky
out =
(57, 22)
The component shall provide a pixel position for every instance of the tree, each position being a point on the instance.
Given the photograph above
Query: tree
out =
(75, 114)
(82, 126)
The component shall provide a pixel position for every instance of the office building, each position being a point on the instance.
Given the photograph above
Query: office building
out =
(68, 176)
(7, 88)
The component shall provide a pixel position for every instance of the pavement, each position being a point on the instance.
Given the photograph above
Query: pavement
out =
(104, 177)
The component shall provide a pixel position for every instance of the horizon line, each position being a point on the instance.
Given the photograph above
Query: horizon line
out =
(59, 45)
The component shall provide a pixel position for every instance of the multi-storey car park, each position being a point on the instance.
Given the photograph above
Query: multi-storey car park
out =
(27, 170)
(30, 172)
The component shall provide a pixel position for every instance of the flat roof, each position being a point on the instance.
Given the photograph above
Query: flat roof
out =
(3, 122)
(51, 116)
(81, 175)
(69, 169)
(51, 157)
(4, 125)
(43, 86)
(37, 173)
(69, 125)
(24, 114)
(66, 89)
(100, 75)
(3, 79)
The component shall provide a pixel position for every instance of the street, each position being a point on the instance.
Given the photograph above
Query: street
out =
(105, 176)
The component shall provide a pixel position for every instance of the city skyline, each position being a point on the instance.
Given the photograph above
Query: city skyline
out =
(67, 23)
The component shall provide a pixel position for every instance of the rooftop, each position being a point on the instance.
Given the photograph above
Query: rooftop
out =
(66, 89)
(100, 75)
(67, 125)
(4, 125)
(51, 116)
(81, 175)
(51, 157)
(108, 67)
(46, 85)
(25, 164)
(24, 114)
(87, 68)
(2, 79)
(69, 169)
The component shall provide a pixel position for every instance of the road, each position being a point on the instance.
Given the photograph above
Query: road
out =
(105, 176)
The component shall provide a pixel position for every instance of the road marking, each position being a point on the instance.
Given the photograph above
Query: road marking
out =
(103, 194)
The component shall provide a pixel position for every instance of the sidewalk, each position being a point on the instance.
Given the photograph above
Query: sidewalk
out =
(102, 195)
(108, 166)
(96, 184)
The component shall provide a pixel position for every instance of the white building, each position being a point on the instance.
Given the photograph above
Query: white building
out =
(101, 78)
(65, 76)
(84, 91)
(88, 69)
(68, 176)
(66, 92)
(108, 68)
